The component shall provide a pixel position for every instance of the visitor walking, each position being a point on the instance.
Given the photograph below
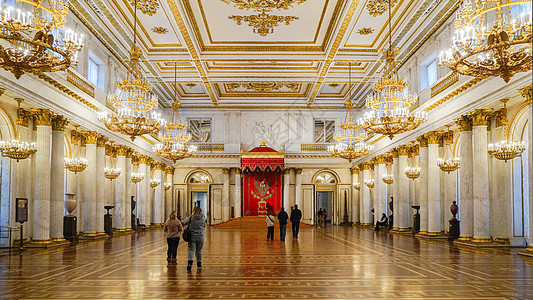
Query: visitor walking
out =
(319, 218)
(196, 224)
(282, 218)
(296, 216)
(173, 230)
(270, 226)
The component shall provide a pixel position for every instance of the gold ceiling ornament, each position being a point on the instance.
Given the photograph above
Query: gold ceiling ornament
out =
(493, 38)
(365, 31)
(159, 30)
(112, 172)
(263, 6)
(504, 150)
(190, 85)
(17, 149)
(33, 38)
(148, 7)
(263, 86)
(389, 103)
(77, 163)
(350, 136)
(174, 136)
(333, 85)
(263, 23)
(378, 7)
(133, 100)
(448, 163)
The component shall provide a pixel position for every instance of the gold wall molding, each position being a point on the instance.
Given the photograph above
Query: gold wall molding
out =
(80, 83)
(69, 92)
(454, 93)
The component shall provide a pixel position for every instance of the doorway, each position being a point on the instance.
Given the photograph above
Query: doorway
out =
(325, 202)
(200, 199)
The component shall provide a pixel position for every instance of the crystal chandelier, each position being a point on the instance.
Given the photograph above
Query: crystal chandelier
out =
(77, 163)
(412, 172)
(154, 183)
(369, 183)
(137, 177)
(388, 178)
(504, 150)
(174, 136)
(357, 186)
(493, 38)
(168, 186)
(133, 100)
(33, 39)
(17, 149)
(448, 164)
(350, 138)
(113, 172)
(389, 103)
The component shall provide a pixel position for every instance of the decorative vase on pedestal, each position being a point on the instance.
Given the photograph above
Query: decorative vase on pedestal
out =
(70, 203)
(454, 209)
(70, 231)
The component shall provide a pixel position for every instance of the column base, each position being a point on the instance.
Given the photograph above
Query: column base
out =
(58, 239)
(527, 252)
(422, 232)
(49, 243)
(432, 235)
(365, 224)
(483, 243)
(401, 230)
(41, 242)
(92, 236)
(464, 238)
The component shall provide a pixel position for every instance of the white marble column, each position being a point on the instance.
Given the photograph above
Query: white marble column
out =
(130, 188)
(298, 186)
(238, 193)
(380, 189)
(149, 204)
(423, 185)
(169, 201)
(41, 207)
(286, 189)
(355, 196)
(142, 201)
(5, 216)
(395, 190)
(22, 184)
(120, 189)
(225, 195)
(100, 184)
(480, 186)
(527, 93)
(366, 217)
(403, 189)
(89, 196)
(80, 187)
(434, 194)
(159, 204)
(57, 177)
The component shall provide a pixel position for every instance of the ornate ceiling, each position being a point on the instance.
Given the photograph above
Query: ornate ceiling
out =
(262, 53)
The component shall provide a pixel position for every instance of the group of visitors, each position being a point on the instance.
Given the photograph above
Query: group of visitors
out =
(174, 229)
(322, 215)
(296, 216)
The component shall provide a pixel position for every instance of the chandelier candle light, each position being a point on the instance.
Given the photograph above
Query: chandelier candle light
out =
(504, 150)
(168, 185)
(369, 183)
(492, 38)
(112, 173)
(154, 183)
(388, 178)
(137, 177)
(448, 163)
(17, 149)
(33, 39)
(77, 163)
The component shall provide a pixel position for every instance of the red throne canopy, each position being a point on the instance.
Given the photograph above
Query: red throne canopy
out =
(262, 168)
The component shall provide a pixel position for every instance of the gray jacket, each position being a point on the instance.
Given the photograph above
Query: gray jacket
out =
(196, 225)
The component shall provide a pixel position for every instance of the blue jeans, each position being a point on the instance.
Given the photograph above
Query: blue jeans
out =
(195, 247)
(282, 231)
(295, 229)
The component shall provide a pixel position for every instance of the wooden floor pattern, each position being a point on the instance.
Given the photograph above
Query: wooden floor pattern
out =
(331, 263)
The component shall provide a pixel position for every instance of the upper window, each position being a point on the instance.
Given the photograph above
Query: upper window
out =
(428, 72)
(96, 71)
(324, 131)
(200, 130)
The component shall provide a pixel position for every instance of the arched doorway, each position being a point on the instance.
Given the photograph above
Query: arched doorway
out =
(198, 183)
(326, 188)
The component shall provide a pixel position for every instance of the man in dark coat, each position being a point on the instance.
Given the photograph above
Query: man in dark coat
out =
(282, 218)
(296, 216)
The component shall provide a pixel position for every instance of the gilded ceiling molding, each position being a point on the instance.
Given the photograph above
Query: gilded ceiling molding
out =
(262, 87)
(365, 31)
(378, 7)
(263, 6)
(263, 24)
(68, 91)
(159, 30)
(147, 7)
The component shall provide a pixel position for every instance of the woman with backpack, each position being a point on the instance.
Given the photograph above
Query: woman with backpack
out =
(196, 224)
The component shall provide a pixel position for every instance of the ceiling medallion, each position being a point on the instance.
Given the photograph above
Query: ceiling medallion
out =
(365, 31)
(33, 39)
(490, 40)
(263, 24)
(159, 30)
(263, 6)
(190, 85)
(378, 7)
(147, 7)
(263, 86)
(334, 85)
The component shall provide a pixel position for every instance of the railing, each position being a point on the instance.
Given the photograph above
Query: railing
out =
(444, 83)
(209, 146)
(80, 83)
(314, 147)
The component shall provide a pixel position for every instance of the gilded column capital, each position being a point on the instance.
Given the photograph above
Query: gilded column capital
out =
(226, 170)
(59, 123)
(121, 150)
(527, 93)
(414, 151)
(169, 170)
(403, 150)
(42, 116)
(144, 159)
(160, 166)
(2, 91)
(130, 153)
(434, 137)
(382, 159)
(394, 152)
(500, 117)
(90, 137)
(481, 117)
(366, 166)
(23, 117)
(238, 171)
(286, 171)
(298, 170)
(464, 122)
(101, 141)
(110, 150)
(354, 170)
(422, 141)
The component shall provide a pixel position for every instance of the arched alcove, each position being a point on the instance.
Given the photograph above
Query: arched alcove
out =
(325, 182)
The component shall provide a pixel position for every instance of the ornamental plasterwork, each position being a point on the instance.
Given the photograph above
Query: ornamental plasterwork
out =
(190, 85)
(159, 30)
(262, 87)
(263, 6)
(263, 23)
(365, 31)
(147, 7)
(378, 7)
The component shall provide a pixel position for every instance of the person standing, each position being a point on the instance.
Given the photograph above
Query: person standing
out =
(270, 226)
(282, 218)
(196, 224)
(296, 216)
(319, 218)
(173, 230)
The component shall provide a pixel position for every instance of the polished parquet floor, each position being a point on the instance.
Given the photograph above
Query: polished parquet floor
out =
(331, 263)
